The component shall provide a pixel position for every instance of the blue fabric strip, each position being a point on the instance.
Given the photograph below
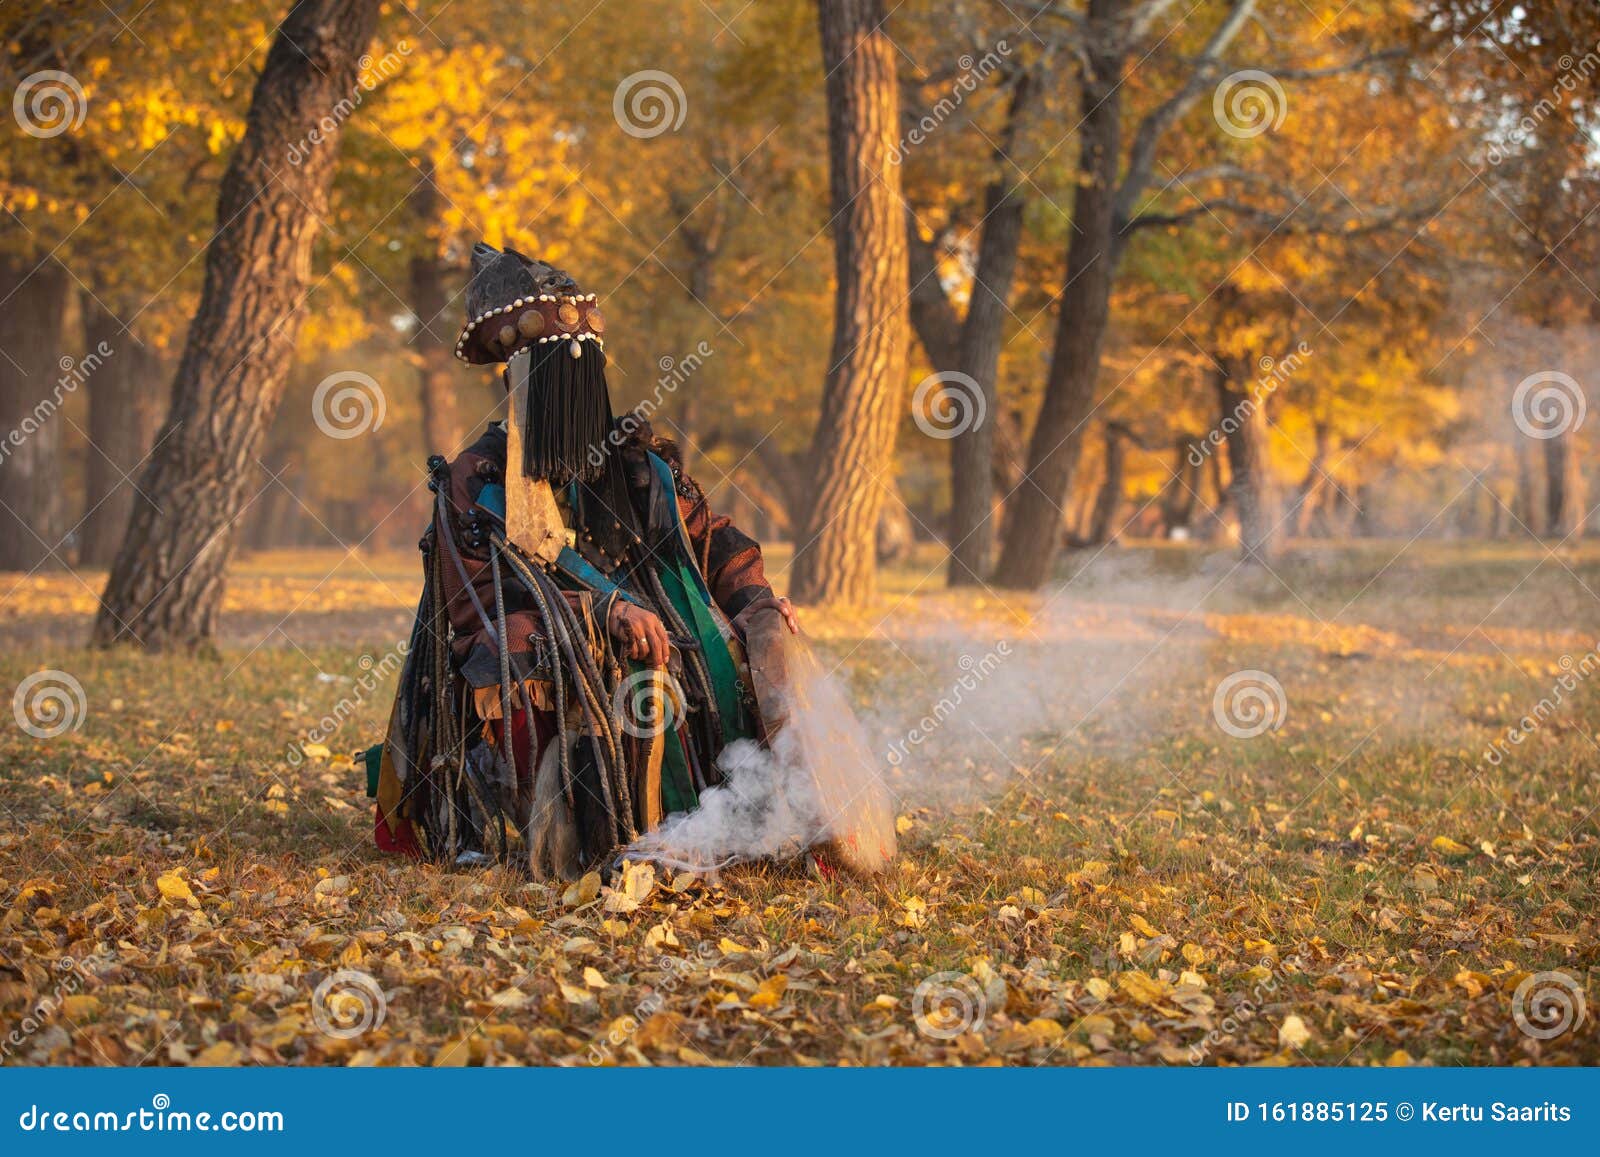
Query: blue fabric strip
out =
(493, 499)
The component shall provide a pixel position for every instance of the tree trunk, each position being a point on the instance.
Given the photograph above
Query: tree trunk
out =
(863, 397)
(1243, 419)
(1529, 493)
(1033, 522)
(897, 531)
(33, 385)
(1182, 492)
(982, 335)
(1309, 496)
(434, 337)
(1110, 496)
(124, 410)
(1563, 488)
(166, 586)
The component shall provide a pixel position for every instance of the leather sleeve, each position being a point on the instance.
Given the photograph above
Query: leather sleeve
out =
(728, 557)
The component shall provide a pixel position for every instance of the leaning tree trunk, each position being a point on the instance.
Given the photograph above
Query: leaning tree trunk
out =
(1243, 418)
(124, 410)
(1563, 488)
(33, 385)
(863, 397)
(166, 586)
(1033, 520)
(433, 339)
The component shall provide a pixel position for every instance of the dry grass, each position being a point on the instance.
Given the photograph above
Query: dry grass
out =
(1110, 876)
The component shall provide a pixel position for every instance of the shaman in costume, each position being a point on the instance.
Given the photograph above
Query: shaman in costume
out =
(577, 663)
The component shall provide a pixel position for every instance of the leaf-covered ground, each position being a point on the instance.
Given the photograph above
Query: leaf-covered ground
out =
(1094, 870)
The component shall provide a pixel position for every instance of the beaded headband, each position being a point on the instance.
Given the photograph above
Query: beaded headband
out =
(528, 321)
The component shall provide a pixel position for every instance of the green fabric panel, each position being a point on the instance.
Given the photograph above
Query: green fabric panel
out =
(724, 675)
(372, 759)
(677, 788)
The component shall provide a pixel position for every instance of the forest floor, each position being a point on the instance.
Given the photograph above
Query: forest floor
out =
(1101, 861)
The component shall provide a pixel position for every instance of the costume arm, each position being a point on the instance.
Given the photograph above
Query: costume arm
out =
(728, 557)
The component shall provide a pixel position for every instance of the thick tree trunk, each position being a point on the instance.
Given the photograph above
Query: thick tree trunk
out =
(1563, 488)
(1033, 522)
(863, 397)
(33, 384)
(1243, 418)
(166, 586)
(434, 336)
(125, 396)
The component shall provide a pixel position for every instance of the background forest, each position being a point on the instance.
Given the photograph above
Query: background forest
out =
(1366, 223)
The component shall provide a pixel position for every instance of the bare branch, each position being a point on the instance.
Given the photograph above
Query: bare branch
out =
(1358, 64)
(1145, 15)
(1142, 156)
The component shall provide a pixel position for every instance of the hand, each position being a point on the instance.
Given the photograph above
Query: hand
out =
(639, 632)
(772, 603)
